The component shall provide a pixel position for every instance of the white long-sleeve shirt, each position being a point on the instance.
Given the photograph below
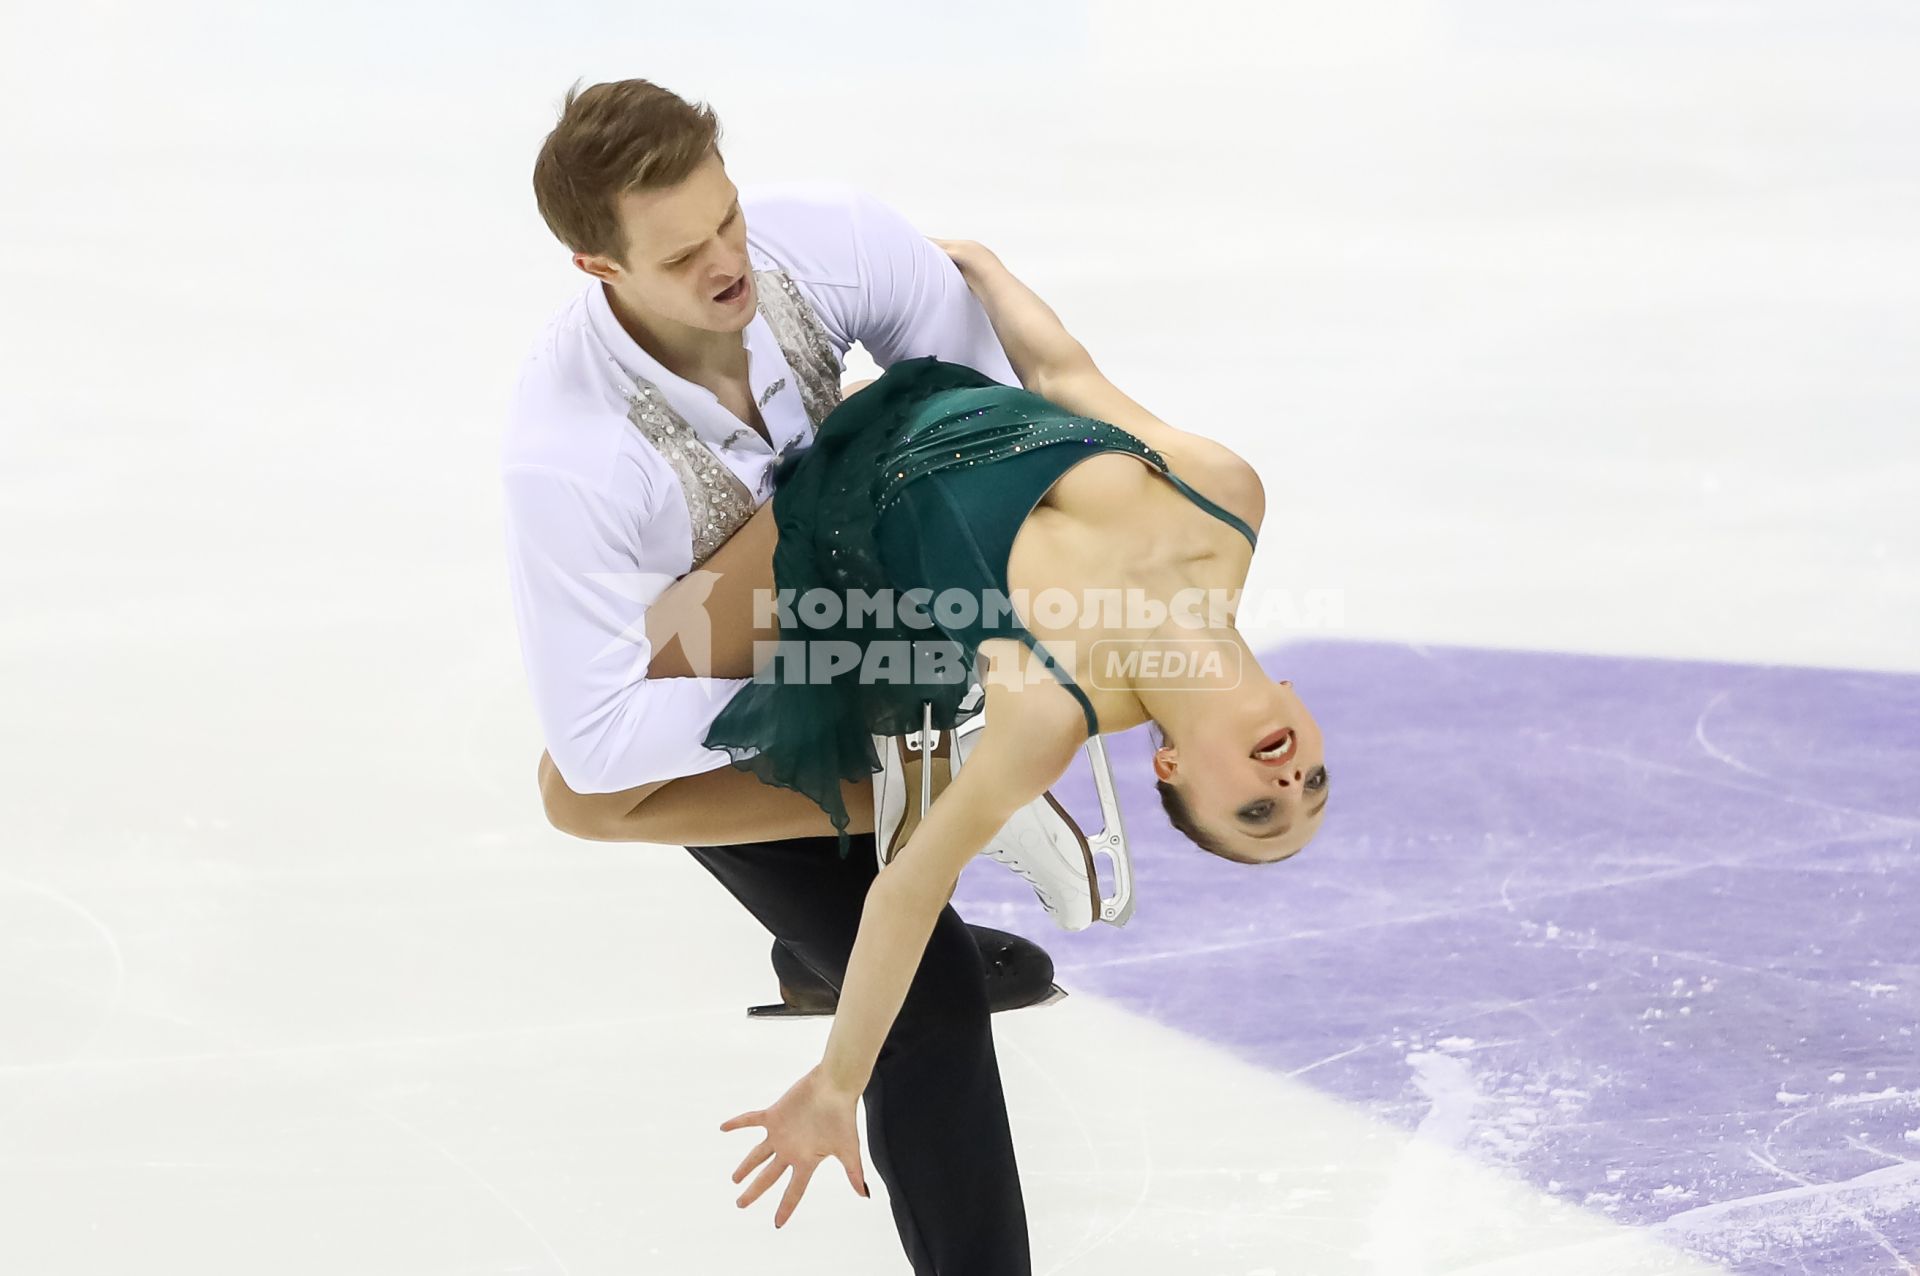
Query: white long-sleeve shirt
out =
(596, 524)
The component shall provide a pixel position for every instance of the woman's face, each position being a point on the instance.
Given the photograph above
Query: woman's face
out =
(1253, 774)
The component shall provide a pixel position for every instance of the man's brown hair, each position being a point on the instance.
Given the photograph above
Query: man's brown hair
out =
(627, 135)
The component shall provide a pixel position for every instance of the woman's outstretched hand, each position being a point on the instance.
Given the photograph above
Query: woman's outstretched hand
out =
(811, 1122)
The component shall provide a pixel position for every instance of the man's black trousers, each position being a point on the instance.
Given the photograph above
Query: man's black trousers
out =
(937, 1131)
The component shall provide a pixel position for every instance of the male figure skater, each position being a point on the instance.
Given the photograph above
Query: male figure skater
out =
(645, 427)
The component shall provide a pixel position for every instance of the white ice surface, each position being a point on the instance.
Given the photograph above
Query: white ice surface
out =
(1580, 326)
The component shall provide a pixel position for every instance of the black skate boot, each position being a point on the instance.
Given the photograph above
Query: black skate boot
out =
(1019, 974)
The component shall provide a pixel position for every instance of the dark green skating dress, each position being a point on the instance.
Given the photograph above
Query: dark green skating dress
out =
(919, 482)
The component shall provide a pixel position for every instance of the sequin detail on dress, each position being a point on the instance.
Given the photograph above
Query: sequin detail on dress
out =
(811, 734)
(948, 443)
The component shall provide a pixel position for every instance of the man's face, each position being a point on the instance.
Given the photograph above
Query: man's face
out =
(686, 253)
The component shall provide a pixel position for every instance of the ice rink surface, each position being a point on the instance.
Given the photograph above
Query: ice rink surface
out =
(1576, 343)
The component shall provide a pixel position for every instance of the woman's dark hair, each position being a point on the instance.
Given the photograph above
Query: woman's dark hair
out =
(1180, 815)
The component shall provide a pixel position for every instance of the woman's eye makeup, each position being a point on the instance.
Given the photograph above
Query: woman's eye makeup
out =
(1316, 779)
(1257, 812)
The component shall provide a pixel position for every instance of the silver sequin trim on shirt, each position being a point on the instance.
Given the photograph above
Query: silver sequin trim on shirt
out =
(718, 503)
(803, 340)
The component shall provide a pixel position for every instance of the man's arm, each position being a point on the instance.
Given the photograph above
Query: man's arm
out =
(581, 589)
(873, 278)
(915, 301)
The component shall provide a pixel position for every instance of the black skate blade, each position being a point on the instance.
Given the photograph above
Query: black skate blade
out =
(781, 1010)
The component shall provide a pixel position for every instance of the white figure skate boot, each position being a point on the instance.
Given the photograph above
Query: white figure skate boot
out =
(1041, 842)
(914, 769)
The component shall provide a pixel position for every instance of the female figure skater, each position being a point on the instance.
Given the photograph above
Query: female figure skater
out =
(936, 478)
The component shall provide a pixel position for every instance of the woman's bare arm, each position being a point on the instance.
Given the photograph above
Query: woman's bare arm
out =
(1018, 757)
(1054, 365)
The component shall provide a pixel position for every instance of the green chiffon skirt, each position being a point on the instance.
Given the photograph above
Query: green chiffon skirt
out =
(812, 733)
(852, 517)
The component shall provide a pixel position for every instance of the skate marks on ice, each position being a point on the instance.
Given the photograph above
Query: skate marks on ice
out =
(1159, 1152)
(1636, 931)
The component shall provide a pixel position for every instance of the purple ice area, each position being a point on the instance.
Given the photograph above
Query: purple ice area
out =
(1649, 931)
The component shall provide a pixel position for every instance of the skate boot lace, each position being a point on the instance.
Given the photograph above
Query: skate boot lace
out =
(1007, 858)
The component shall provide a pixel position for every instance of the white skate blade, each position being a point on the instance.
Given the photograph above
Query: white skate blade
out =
(1111, 840)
